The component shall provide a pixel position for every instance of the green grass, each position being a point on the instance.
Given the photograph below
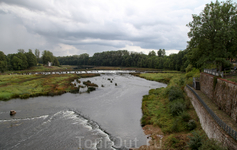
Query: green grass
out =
(43, 69)
(163, 77)
(156, 109)
(24, 86)
(232, 78)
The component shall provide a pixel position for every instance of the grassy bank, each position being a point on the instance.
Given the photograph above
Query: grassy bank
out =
(170, 110)
(25, 86)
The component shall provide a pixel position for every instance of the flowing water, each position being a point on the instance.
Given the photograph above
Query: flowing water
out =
(108, 118)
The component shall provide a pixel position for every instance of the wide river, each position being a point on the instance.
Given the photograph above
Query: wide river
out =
(108, 118)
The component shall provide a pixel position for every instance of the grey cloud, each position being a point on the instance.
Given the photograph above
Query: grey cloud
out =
(93, 26)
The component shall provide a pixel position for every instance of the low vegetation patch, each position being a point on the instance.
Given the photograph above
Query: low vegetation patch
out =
(25, 86)
(88, 83)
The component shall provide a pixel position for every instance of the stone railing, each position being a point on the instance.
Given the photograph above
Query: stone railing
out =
(214, 72)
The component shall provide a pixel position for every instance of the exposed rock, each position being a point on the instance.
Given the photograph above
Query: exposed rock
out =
(12, 112)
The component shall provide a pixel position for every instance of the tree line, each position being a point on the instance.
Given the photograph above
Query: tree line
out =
(125, 58)
(24, 60)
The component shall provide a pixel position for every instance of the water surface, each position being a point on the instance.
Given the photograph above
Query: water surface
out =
(108, 118)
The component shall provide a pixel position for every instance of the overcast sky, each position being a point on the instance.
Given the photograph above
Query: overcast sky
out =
(73, 27)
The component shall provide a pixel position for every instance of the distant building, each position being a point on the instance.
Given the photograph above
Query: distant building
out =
(49, 63)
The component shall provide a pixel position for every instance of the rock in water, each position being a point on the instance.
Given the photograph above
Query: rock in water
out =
(12, 112)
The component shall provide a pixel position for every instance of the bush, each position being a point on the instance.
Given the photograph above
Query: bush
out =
(90, 88)
(191, 125)
(177, 108)
(212, 144)
(195, 141)
(189, 68)
(172, 141)
(175, 93)
(181, 81)
(185, 116)
(175, 126)
(24, 96)
(194, 73)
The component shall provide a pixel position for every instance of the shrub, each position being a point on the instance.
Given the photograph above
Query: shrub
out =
(185, 116)
(171, 141)
(177, 107)
(144, 121)
(90, 88)
(88, 83)
(174, 93)
(24, 96)
(175, 126)
(189, 68)
(75, 90)
(212, 144)
(194, 73)
(191, 125)
(195, 141)
(181, 81)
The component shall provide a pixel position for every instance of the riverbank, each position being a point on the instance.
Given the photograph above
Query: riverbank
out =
(67, 68)
(25, 86)
(168, 115)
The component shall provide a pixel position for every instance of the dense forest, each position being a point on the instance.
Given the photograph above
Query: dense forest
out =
(213, 43)
(125, 58)
(24, 60)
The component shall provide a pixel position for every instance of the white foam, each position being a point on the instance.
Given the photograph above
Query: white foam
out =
(24, 119)
(90, 125)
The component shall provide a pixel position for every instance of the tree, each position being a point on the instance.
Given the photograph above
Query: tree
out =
(31, 59)
(55, 61)
(161, 52)
(152, 53)
(213, 35)
(21, 51)
(3, 62)
(47, 56)
(37, 54)
(18, 61)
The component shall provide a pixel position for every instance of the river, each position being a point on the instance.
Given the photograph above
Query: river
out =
(108, 118)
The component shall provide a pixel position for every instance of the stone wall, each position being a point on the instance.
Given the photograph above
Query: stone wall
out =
(222, 92)
(206, 84)
(209, 125)
(225, 97)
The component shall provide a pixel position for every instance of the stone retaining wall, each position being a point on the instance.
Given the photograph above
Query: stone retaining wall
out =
(222, 92)
(209, 125)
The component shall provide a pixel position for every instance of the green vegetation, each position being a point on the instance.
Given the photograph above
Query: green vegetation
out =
(47, 56)
(171, 110)
(213, 35)
(162, 77)
(166, 107)
(198, 141)
(124, 58)
(233, 79)
(88, 83)
(25, 86)
(25, 60)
